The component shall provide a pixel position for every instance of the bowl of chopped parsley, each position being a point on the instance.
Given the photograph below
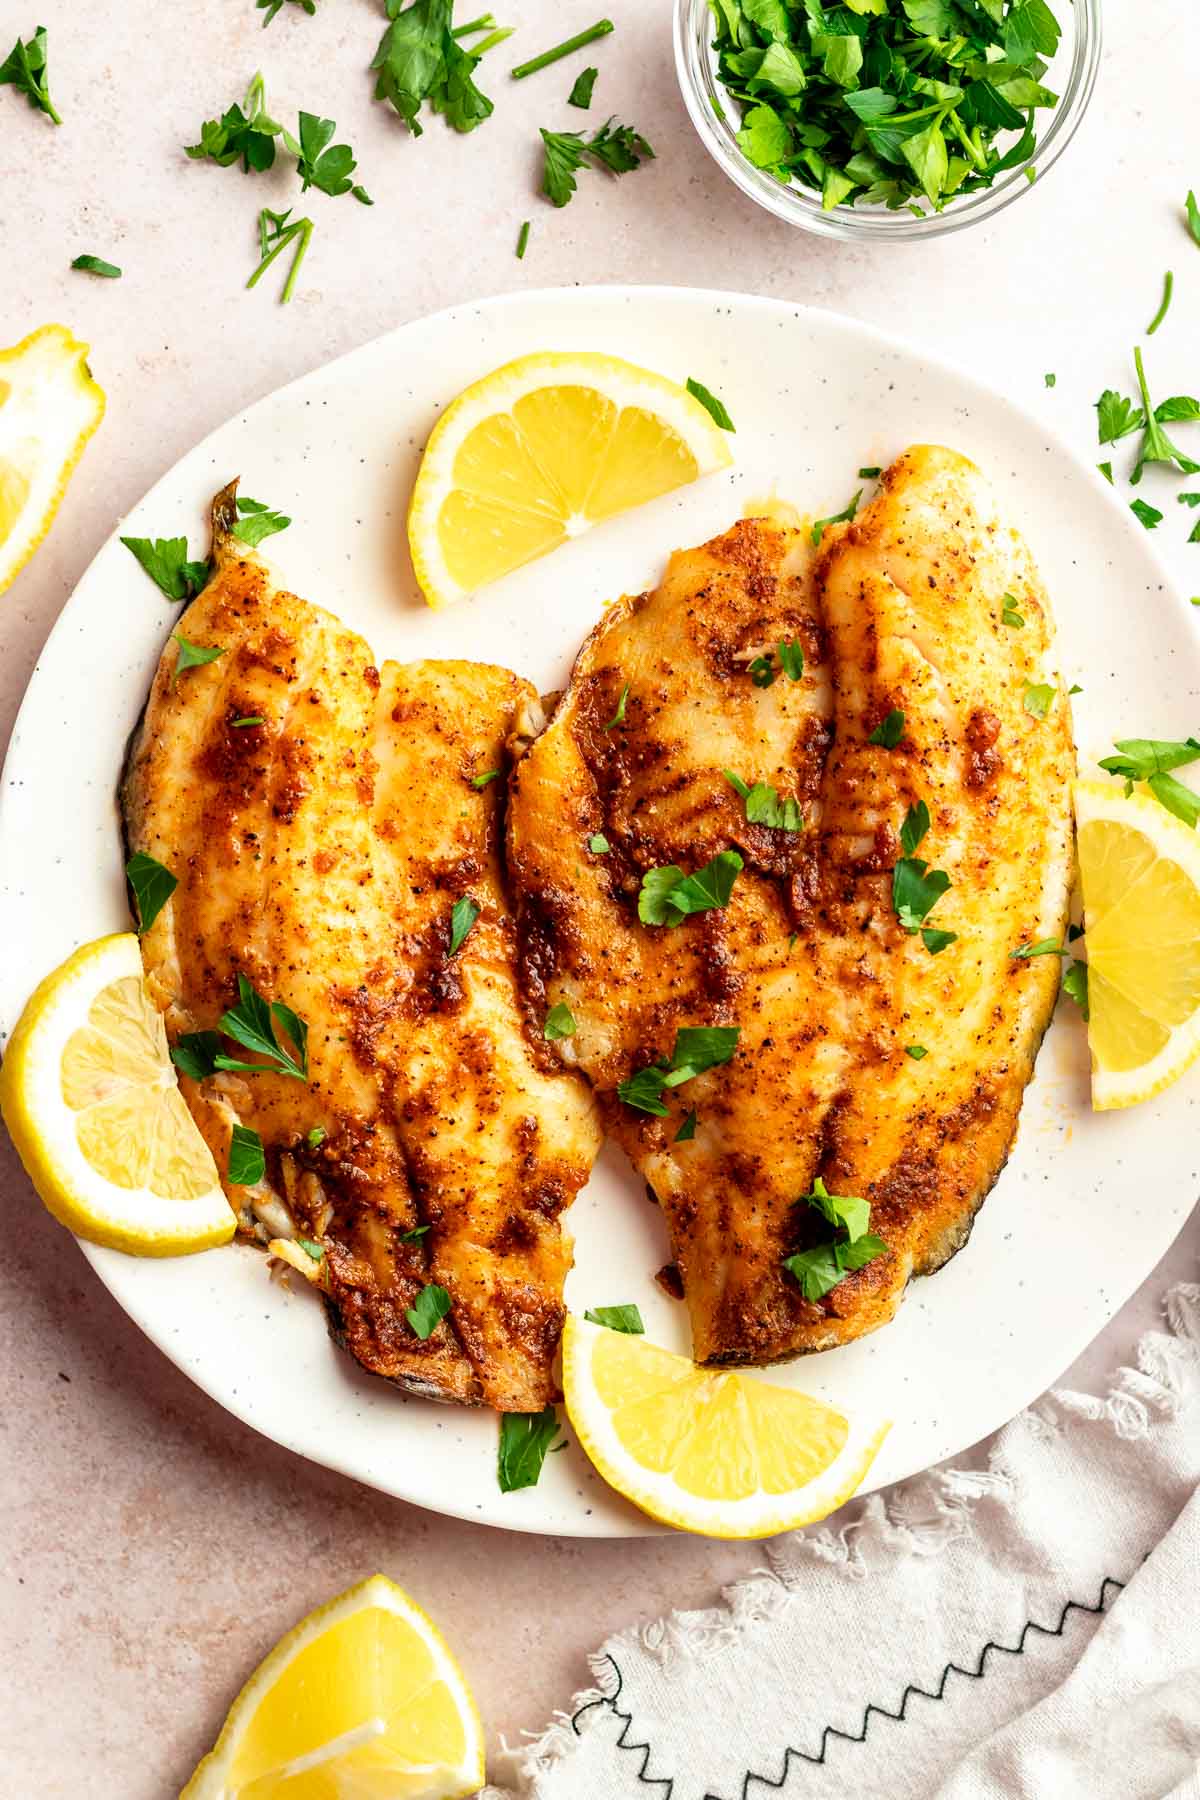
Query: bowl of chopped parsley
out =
(886, 118)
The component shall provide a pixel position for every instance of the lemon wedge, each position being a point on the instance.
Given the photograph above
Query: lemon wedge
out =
(710, 1451)
(49, 408)
(88, 1093)
(1139, 867)
(538, 451)
(361, 1701)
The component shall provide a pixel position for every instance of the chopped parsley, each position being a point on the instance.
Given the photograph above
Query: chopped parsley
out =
(598, 844)
(697, 1048)
(763, 805)
(713, 407)
(791, 662)
(525, 1439)
(1149, 515)
(895, 105)
(841, 518)
(581, 90)
(936, 941)
(1051, 380)
(1193, 216)
(1009, 615)
(95, 265)
(249, 719)
(889, 731)
(1045, 947)
(869, 474)
(625, 1318)
(414, 1234)
(252, 1023)
(1151, 760)
(522, 241)
(853, 1246)
(916, 888)
(687, 1130)
(618, 717)
(193, 656)
(1155, 445)
(1116, 417)
(257, 521)
(1038, 698)
(421, 60)
(489, 775)
(277, 232)
(25, 69)
(244, 133)
(311, 1248)
(1160, 315)
(428, 1310)
(668, 896)
(152, 885)
(168, 565)
(462, 917)
(316, 1137)
(272, 7)
(1075, 984)
(560, 1022)
(600, 29)
(918, 1052)
(321, 163)
(617, 148)
(247, 1163)
(1105, 469)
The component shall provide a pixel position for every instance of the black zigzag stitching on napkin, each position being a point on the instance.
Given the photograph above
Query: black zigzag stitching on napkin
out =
(667, 1782)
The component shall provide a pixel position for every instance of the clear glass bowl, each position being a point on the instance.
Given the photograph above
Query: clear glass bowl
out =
(1072, 74)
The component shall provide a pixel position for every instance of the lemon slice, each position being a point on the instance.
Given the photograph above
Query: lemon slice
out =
(49, 408)
(361, 1701)
(538, 451)
(88, 1092)
(1140, 871)
(709, 1451)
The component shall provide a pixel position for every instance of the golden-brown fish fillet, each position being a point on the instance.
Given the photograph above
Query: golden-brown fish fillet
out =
(900, 611)
(321, 821)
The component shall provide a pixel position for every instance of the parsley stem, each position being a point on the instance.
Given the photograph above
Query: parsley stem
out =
(600, 29)
(302, 231)
(484, 22)
(522, 240)
(1160, 315)
(493, 38)
(305, 235)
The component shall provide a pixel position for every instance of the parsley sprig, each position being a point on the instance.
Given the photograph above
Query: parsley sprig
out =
(256, 521)
(916, 888)
(422, 60)
(1151, 760)
(697, 1048)
(820, 1269)
(763, 805)
(168, 565)
(525, 1440)
(273, 7)
(617, 148)
(255, 1024)
(25, 69)
(668, 896)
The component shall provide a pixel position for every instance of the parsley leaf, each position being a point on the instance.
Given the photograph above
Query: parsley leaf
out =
(414, 1234)
(420, 60)
(916, 888)
(247, 1163)
(846, 514)
(25, 69)
(598, 844)
(1149, 515)
(851, 1213)
(936, 941)
(889, 731)
(165, 561)
(617, 148)
(1140, 758)
(316, 1137)
(869, 474)
(687, 1130)
(1105, 469)
(560, 1022)
(462, 917)
(697, 1048)
(625, 1318)
(275, 6)
(791, 658)
(95, 265)
(311, 1248)
(1117, 417)
(193, 656)
(322, 164)
(1160, 315)
(525, 1439)
(1075, 983)
(1038, 698)
(917, 1051)
(252, 1024)
(708, 400)
(581, 92)
(763, 805)
(762, 670)
(618, 717)
(1046, 947)
(152, 885)
(820, 1269)
(1010, 615)
(257, 521)
(1177, 798)
(1155, 446)
(428, 1310)
(523, 240)
(643, 1091)
(668, 896)
(484, 780)
(196, 1052)
(916, 824)
(247, 132)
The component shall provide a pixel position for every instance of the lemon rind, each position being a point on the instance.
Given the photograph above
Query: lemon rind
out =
(92, 403)
(759, 1515)
(1113, 1090)
(209, 1779)
(624, 382)
(133, 1220)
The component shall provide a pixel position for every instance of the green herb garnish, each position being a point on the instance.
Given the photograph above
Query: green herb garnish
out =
(1156, 446)
(193, 656)
(1051, 380)
(257, 521)
(617, 148)
(525, 1439)
(598, 844)
(708, 400)
(600, 29)
(1151, 760)
(428, 1310)
(1010, 615)
(1160, 315)
(869, 474)
(668, 896)
(846, 514)
(1075, 983)
(918, 1052)
(687, 1130)
(316, 1137)
(618, 717)
(421, 60)
(697, 1048)
(820, 1269)
(311, 1248)
(462, 917)
(1046, 947)
(166, 562)
(916, 888)
(248, 719)
(625, 1318)
(414, 1234)
(889, 731)
(25, 69)
(763, 805)
(1149, 515)
(247, 1163)
(276, 233)
(1038, 698)
(252, 1023)
(95, 265)
(560, 1022)
(321, 163)
(152, 885)
(1193, 216)
(581, 91)
(247, 132)
(522, 241)
(1105, 469)
(485, 780)
(275, 6)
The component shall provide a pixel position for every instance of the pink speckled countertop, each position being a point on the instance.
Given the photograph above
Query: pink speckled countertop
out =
(153, 1547)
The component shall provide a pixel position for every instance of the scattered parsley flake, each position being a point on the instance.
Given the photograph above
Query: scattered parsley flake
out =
(428, 1310)
(252, 1023)
(847, 513)
(918, 1052)
(316, 1137)
(247, 1162)
(668, 896)
(525, 1439)
(193, 656)
(166, 562)
(889, 731)
(256, 521)
(489, 775)
(152, 884)
(25, 69)
(625, 1318)
(1075, 984)
(708, 400)
(697, 1048)
(560, 1022)
(462, 917)
(581, 91)
(687, 1130)
(617, 148)
(522, 241)
(1160, 315)
(95, 265)
(1050, 380)
(1038, 698)
(598, 844)
(618, 717)
(1149, 515)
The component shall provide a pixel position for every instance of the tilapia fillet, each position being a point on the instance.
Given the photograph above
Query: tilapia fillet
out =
(320, 816)
(900, 611)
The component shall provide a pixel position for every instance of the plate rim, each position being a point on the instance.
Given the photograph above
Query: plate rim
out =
(965, 381)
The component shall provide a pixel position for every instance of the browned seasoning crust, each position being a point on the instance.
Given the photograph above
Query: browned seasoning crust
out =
(900, 610)
(320, 854)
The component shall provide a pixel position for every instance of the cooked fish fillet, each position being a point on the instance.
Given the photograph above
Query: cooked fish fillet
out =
(899, 611)
(321, 821)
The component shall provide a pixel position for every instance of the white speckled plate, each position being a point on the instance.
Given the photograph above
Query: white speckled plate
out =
(1086, 1205)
